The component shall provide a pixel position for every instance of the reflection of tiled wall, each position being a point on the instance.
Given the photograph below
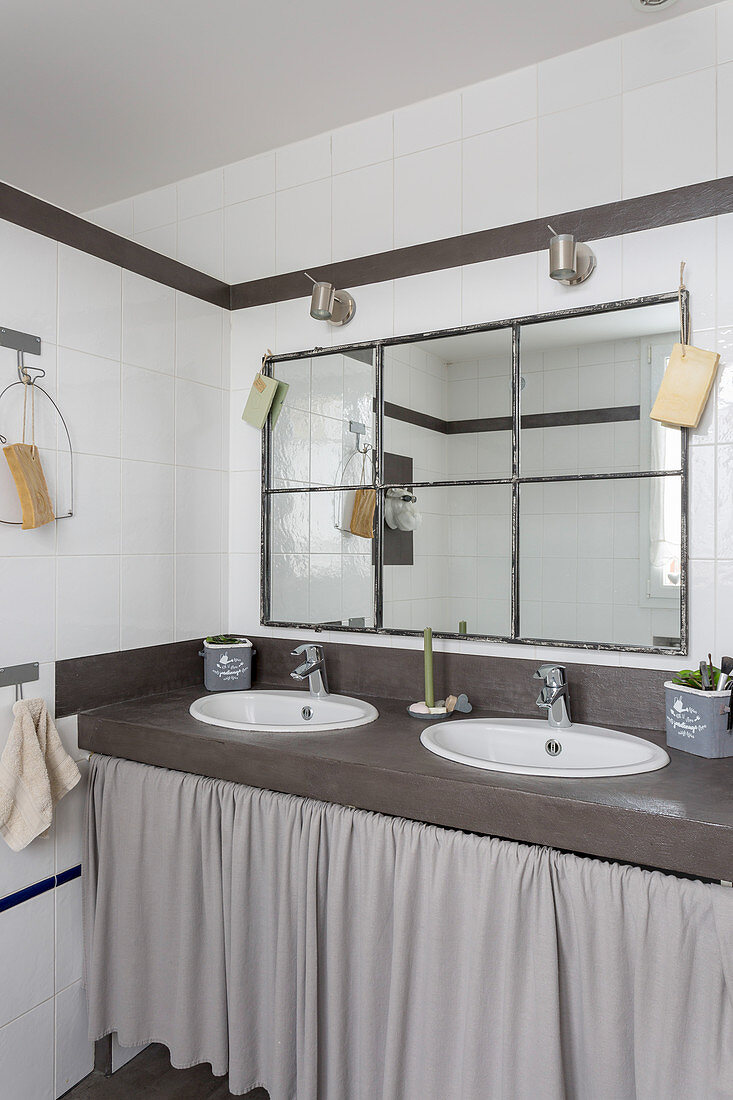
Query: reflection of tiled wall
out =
(427, 170)
(320, 573)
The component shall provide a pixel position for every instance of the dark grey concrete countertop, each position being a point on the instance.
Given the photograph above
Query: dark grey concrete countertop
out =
(679, 818)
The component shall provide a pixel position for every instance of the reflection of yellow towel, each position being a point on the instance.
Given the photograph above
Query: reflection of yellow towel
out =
(35, 772)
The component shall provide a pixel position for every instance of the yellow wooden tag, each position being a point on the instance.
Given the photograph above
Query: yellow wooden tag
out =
(25, 466)
(686, 386)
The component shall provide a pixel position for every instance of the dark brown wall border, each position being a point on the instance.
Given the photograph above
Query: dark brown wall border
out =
(51, 221)
(682, 204)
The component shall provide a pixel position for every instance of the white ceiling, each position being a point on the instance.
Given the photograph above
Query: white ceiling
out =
(102, 100)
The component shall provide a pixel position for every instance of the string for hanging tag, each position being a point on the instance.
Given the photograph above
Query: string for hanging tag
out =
(684, 320)
(26, 385)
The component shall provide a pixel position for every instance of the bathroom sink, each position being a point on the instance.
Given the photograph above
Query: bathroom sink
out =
(530, 746)
(282, 711)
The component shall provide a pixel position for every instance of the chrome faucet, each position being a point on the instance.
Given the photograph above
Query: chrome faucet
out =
(555, 695)
(313, 668)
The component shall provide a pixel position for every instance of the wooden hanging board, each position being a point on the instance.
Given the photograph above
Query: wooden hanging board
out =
(25, 466)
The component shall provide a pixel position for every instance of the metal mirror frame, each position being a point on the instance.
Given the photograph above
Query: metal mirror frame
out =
(514, 325)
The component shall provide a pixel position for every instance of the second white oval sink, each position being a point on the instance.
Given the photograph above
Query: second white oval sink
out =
(282, 711)
(530, 746)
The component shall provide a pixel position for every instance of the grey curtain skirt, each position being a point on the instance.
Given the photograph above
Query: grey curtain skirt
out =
(327, 953)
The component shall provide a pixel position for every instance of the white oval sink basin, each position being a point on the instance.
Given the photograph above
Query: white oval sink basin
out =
(528, 746)
(282, 711)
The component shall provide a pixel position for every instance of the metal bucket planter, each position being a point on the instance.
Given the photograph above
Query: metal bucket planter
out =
(697, 721)
(227, 663)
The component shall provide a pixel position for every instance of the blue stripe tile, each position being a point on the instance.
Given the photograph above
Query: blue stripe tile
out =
(28, 892)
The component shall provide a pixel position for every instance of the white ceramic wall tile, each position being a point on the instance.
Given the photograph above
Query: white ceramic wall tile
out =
(34, 863)
(428, 195)
(501, 101)
(27, 599)
(69, 816)
(374, 318)
(28, 975)
(702, 502)
(362, 143)
(154, 208)
(244, 524)
(249, 240)
(198, 511)
(363, 212)
(249, 178)
(703, 634)
(198, 425)
(724, 14)
(296, 329)
(651, 265)
(245, 442)
(303, 226)
(252, 333)
(580, 77)
(653, 119)
(431, 122)
(725, 120)
(244, 593)
(198, 340)
(89, 395)
(163, 239)
(148, 323)
(146, 600)
(201, 194)
(606, 285)
(303, 161)
(89, 304)
(580, 157)
(492, 197)
(147, 415)
(147, 508)
(430, 301)
(29, 261)
(669, 49)
(69, 950)
(74, 1051)
(116, 216)
(27, 1055)
(198, 608)
(87, 606)
(95, 526)
(201, 242)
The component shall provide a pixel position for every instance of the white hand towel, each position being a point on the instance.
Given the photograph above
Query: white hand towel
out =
(35, 772)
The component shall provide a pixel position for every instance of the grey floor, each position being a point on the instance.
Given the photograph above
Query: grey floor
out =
(151, 1075)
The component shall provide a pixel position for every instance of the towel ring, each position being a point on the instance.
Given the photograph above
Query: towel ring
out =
(25, 379)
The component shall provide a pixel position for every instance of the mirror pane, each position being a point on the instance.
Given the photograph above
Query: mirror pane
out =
(320, 573)
(588, 384)
(600, 561)
(448, 405)
(455, 565)
(312, 440)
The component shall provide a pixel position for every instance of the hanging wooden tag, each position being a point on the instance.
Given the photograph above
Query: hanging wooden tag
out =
(25, 466)
(686, 386)
(362, 518)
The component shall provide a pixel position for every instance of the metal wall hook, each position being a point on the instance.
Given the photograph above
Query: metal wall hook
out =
(24, 374)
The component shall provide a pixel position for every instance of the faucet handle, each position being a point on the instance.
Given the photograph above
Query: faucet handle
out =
(551, 674)
(312, 650)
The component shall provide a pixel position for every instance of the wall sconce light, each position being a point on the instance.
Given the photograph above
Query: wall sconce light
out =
(570, 261)
(328, 304)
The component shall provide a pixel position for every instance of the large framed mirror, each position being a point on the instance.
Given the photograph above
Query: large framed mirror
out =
(500, 481)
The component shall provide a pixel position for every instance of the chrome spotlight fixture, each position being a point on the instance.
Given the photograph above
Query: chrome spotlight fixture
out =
(570, 261)
(328, 304)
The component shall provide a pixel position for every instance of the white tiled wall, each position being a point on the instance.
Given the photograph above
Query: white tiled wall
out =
(600, 124)
(139, 373)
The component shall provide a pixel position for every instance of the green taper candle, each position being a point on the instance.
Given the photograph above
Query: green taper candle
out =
(462, 627)
(429, 690)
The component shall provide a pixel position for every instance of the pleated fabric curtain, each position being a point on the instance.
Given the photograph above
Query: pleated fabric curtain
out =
(326, 953)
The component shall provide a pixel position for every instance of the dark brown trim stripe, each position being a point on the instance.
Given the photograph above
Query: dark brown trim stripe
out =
(572, 417)
(51, 221)
(682, 204)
